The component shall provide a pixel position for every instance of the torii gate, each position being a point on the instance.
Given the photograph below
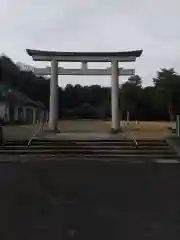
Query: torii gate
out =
(84, 58)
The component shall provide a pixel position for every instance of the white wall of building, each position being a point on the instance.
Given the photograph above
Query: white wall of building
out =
(4, 113)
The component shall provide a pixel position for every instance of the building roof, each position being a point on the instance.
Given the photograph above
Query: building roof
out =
(126, 56)
(17, 97)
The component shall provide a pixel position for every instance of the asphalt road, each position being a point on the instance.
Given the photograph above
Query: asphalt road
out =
(53, 200)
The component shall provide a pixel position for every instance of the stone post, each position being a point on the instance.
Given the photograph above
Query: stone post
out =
(115, 97)
(53, 114)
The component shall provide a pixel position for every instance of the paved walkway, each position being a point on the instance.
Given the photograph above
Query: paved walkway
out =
(83, 136)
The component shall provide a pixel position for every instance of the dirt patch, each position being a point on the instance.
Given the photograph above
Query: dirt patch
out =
(148, 130)
(141, 130)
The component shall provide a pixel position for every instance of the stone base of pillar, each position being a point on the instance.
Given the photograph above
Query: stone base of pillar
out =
(52, 130)
(115, 131)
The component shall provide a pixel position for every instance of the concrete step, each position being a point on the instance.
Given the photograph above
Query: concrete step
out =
(93, 140)
(82, 147)
(88, 143)
(81, 157)
(90, 151)
(87, 161)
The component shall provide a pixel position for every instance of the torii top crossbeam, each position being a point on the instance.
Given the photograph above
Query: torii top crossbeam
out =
(127, 56)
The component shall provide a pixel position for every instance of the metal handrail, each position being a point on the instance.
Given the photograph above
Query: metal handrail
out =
(34, 134)
(135, 141)
(133, 137)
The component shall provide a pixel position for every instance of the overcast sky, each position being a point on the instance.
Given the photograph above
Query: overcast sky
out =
(94, 25)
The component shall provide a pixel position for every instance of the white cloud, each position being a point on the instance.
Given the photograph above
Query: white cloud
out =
(91, 25)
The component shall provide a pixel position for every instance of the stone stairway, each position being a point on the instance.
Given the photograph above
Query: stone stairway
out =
(90, 149)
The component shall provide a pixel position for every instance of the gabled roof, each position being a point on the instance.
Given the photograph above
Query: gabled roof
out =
(15, 96)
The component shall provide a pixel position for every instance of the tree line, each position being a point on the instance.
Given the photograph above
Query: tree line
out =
(161, 101)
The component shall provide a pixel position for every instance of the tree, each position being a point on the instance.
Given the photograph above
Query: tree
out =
(158, 102)
(130, 96)
(166, 82)
(135, 80)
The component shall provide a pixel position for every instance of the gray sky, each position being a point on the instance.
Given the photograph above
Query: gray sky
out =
(94, 25)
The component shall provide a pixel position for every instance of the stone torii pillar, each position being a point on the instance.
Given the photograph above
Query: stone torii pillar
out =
(53, 114)
(115, 97)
